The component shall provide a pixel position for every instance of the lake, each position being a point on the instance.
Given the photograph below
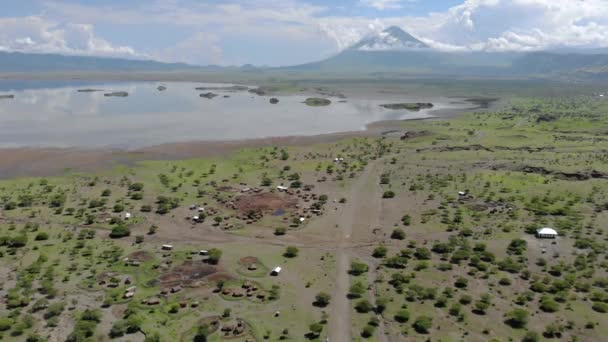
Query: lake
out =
(55, 114)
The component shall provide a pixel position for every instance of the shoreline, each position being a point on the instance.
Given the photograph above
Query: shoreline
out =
(41, 161)
(56, 161)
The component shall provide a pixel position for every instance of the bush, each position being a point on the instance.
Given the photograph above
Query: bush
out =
(291, 252)
(120, 231)
(530, 336)
(600, 307)
(322, 299)
(356, 290)
(423, 324)
(368, 331)
(402, 316)
(214, 256)
(388, 194)
(280, 231)
(364, 306)
(517, 318)
(547, 304)
(398, 234)
(5, 323)
(461, 283)
(42, 236)
(316, 329)
(379, 252)
(358, 268)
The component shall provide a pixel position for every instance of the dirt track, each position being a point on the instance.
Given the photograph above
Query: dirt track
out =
(355, 222)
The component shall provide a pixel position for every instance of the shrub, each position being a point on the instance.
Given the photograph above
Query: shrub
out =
(368, 331)
(517, 318)
(358, 268)
(356, 290)
(388, 194)
(398, 234)
(5, 323)
(214, 256)
(280, 231)
(42, 236)
(600, 307)
(548, 304)
(291, 252)
(120, 231)
(423, 324)
(379, 252)
(402, 316)
(530, 336)
(364, 306)
(322, 299)
(461, 283)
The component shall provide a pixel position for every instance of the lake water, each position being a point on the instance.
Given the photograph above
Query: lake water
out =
(57, 115)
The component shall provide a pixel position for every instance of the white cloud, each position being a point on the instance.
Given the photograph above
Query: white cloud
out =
(39, 34)
(494, 25)
(382, 5)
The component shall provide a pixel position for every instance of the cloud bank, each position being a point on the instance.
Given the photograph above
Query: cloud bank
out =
(294, 31)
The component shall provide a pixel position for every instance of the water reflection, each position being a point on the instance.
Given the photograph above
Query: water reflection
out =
(62, 117)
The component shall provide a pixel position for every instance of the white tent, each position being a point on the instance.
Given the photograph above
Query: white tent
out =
(546, 233)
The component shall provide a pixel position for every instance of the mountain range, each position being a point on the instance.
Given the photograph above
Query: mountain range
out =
(389, 51)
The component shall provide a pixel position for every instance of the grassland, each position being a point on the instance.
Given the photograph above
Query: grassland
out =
(429, 235)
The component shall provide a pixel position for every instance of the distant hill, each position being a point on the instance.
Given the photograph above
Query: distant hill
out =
(394, 50)
(28, 62)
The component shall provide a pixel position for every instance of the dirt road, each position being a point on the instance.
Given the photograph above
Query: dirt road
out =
(355, 221)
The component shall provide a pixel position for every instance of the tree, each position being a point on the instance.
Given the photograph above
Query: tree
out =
(280, 231)
(214, 256)
(139, 239)
(291, 252)
(517, 318)
(322, 299)
(423, 324)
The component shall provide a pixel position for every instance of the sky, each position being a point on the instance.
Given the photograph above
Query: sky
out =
(288, 32)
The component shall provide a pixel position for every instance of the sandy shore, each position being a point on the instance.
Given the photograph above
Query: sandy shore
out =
(35, 162)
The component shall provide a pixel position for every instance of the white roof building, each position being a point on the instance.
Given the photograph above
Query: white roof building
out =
(127, 216)
(546, 233)
(167, 247)
(282, 188)
(276, 270)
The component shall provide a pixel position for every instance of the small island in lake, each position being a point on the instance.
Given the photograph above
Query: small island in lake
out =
(208, 95)
(409, 106)
(117, 94)
(317, 102)
(88, 90)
